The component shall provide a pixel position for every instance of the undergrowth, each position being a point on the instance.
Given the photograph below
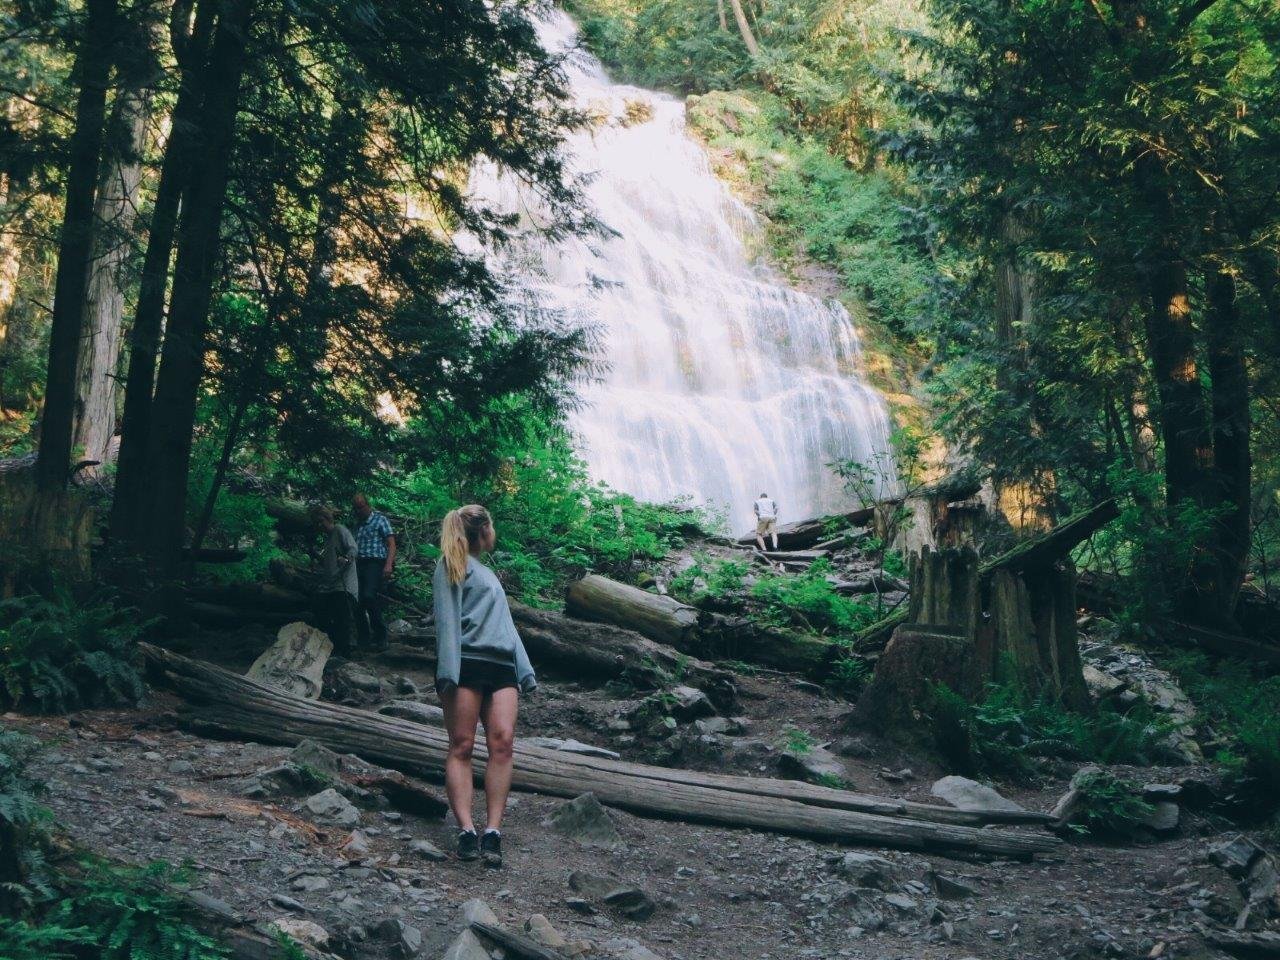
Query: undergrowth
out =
(1008, 728)
(1109, 805)
(810, 601)
(1243, 707)
(58, 653)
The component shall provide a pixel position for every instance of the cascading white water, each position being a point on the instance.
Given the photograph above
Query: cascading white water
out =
(721, 381)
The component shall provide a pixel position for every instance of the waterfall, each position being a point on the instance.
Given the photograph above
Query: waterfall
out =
(721, 380)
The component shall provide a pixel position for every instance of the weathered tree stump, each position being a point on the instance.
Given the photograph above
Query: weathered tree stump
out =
(917, 659)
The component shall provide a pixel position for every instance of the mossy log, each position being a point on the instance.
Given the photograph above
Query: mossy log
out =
(227, 703)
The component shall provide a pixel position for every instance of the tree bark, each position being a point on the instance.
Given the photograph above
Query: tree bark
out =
(114, 216)
(606, 601)
(93, 70)
(724, 22)
(131, 491)
(182, 359)
(1232, 460)
(230, 703)
(744, 28)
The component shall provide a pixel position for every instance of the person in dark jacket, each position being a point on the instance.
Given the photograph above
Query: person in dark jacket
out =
(481, 667)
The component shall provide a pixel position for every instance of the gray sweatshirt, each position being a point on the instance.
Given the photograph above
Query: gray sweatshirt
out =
(338, 562)
(473, 620)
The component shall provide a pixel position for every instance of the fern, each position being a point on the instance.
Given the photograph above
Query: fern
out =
(59, 654)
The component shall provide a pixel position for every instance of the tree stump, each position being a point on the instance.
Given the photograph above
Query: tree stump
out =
(41, 531)
(918, 658)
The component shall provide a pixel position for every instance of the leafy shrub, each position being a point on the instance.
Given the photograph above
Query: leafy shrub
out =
(849, 676)
(552, 522)
(797, 741)
(1243, 706)
(1108, 805)
(1003, 732)
(710, 579)
(57, 654)
(22, 869)
(808, 600)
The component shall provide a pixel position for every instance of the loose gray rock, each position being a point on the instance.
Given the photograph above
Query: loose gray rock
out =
(332, 807)
(1164, 817)
(867, 870)
(466, 947)
(428, 851)
(690, 703)
(586, 821)
(949, 888)
(309, 883)
(966, 794)
(630, 902)
(539, 928)
(590, 885)
(476, 910)
(1235, 856)
(303, 932)
(815, 764)
(407, 939)
(357, 677)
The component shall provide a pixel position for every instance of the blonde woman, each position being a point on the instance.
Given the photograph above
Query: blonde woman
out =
(481, 667)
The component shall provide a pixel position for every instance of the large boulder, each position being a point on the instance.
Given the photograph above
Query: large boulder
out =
(966, 794)
(585, 820)
(295, 662)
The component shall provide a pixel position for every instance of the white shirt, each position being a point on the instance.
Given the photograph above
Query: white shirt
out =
(766, 509)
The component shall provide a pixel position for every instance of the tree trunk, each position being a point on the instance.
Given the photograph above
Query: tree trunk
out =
(744, 28)
(114, 217)
(92, 71)
(724, 22)
(1232, 461)
(230, 703)
(182, 360)
(132, 482)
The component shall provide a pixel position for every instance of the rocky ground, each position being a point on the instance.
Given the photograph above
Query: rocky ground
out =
(271, 840)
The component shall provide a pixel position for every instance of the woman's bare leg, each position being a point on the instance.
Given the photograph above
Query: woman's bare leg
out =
(461, 712)
(499, 715)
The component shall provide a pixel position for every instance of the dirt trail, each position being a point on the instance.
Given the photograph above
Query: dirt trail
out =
(131, 785)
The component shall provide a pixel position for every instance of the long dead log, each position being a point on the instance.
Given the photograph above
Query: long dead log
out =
(1053, 545)
(607, 601)
(801, 534)
(231, 704)
(605, 651)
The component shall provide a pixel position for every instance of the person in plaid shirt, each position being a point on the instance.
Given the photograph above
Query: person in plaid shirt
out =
(375, 562)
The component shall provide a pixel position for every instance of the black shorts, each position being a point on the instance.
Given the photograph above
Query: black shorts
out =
(485, 677)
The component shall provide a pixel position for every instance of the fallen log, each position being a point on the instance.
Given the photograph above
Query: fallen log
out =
(607, 601)
(1241, 943)
(801, 534)
(604, 651)
(798, 556)
(230, 704)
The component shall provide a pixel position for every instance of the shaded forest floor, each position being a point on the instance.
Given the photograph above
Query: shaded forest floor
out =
(133, 786)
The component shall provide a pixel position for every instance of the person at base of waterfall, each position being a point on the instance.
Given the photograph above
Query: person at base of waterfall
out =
(375, 562)
(481, 668)
(766, 520)
(339, 588)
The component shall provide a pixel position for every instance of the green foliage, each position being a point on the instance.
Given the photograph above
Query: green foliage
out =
(1109, 805)
(710, 579)
(832, 780)
(849, 676)
(1243, 705)
(113, 914)
(1007, 728)
(131, 916)
(810, 601)
(798, 741)
(552, 522)
(60, 653)
(24, 876)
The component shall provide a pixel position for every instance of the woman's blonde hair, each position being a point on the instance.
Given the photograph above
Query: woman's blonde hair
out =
(461, 531)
